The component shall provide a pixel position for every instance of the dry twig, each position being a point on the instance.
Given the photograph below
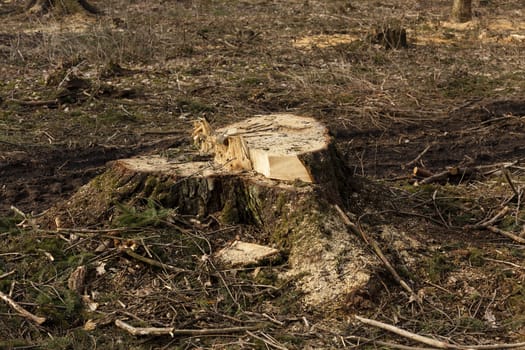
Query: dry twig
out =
(488, 225)
(23, 312)
(433, 342)
(175, 332)
(153, 262)
(419, 156)
(356, 230)
(4, 275)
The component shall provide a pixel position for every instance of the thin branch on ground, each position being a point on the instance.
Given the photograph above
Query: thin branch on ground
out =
(268, 341)
(20, 310)
(153, 262)
(506, 173)
(507, 234)
(359, 232)
(4, 275)
(488, 225)
(172, 331)
(433, 342)
(419, 156)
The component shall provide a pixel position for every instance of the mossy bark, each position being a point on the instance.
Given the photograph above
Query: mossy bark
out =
(297, 218)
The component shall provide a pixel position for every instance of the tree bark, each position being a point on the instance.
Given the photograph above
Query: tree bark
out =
(39, 7)
(462, 11)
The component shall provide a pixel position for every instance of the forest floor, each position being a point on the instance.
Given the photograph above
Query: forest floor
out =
(78, 91)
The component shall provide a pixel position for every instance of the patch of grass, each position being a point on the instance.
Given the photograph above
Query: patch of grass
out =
(8, 224)
(466, 84)
(475, 257)
(254, 80)
(438, 266)
(472, 324)
(193, 105)
(151, 215)
(120, 117)
(61, 306)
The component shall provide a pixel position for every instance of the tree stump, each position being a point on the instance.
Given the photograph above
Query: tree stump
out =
(390, 37)
(39, 7)
(462, 11)
(280, 173)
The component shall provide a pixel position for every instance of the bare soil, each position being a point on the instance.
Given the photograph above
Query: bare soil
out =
(78, 91)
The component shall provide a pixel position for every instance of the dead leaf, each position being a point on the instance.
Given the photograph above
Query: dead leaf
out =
(101, 268)
(90, 325)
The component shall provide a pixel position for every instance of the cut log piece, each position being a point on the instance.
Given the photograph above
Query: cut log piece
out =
(246, 254)
(297, 218)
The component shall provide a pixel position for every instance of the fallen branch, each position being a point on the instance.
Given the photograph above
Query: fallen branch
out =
(488, 225)
(153, 262)
(21, 311)
(172, 331)
(444, 175)
(4, 275)
(506, 173)
(268, 341)
(421, 172)
(419, 156)
(368, 240)
(406, 334)
(363, 341)
(507, 234)
(490, 222)
(35, 103)
(433, 342)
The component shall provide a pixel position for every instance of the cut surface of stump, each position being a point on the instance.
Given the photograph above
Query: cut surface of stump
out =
(273, 145)
(298, 219)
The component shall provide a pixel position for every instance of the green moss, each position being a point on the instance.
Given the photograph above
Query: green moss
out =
(8, 224)
(79, 259)
(253, 205)
(189, 105)
(516, 252)
(255, 80)
(113, 117)
(475, 257)
(61, 306)
(465, 84)
(438, 266)
(472, 324)
(230, 213)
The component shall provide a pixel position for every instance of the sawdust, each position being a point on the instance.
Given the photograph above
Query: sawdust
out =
(324, 40)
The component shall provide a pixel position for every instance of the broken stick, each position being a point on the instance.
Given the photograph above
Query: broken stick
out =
(488, 225)
(433, 342)
(172, 331)
(153, 262)
(20, 310)
(369, 240)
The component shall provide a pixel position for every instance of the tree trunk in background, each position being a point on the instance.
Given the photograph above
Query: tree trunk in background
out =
(462, 11)
(61, 6)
